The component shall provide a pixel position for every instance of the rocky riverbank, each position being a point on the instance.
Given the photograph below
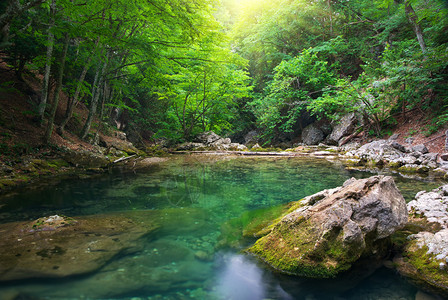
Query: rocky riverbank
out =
(354, 229)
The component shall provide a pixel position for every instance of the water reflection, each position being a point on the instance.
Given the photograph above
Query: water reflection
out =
(242, 279)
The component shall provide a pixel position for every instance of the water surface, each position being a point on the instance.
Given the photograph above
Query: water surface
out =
(180, 261)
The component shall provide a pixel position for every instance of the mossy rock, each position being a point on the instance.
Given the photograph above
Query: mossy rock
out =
(423, 269)
(353, 162)
(296, 251)
(86, 159)
(394, 164)
(336, 229)
(412, 169)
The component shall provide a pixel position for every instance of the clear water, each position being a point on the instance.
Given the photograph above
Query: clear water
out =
(204, 192)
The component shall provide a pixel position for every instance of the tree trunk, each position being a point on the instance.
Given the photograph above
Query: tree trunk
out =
(413, 19)
(94, 103)
(72, 104)
(57, 91)
(46, 82)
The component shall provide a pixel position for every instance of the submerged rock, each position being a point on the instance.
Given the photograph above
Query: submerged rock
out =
(57, 246)
(328, 232)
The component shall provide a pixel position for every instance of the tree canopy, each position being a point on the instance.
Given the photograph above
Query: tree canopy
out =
(175, 68)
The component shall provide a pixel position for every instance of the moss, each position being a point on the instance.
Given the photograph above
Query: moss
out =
(271, 149)
(427, 267)
(413, 169)
(58, 163)
(298, 250)
(353, 162)
(394, 164)
(375, 163)
(7, 183)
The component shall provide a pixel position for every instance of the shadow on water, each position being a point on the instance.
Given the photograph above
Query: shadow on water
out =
(194, 197)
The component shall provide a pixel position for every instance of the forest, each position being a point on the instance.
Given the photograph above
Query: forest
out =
(170, 69)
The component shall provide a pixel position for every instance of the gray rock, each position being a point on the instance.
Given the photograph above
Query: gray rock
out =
(251, 137)
(191, 146)
(432, 205)
(398, 146)
(354, 220)
(437, 243)
(409, 140)
(311, 135)
(378, 150)
(256, 147)
(345, 127)
(444, 156)
(350, 146)
(420, 148)
(86, 159)
(409, 160)
(394, 137)
(222, 141)
(207, 137)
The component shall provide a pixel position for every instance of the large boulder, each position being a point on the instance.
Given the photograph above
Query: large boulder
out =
(328, 232)
(311, 135)
(57, 246)
(345, 127)
(118, 143)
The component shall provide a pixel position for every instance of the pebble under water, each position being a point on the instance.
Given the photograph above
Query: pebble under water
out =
(181, 260)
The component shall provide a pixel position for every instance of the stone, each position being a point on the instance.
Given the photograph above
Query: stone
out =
(394, 137)
(409, 141)
(377, 150)
(326, 233)
(444, 156)
(256, 147)
(398, 146)
(120, 135)
(345, 127)
(350, 146)
(311, 135)
(251, 137)
(207, 137)
(118, 143)
(85, 159)
(425, 254)
(57, 246)
(420, 148)
(423, 261)
(431, 205)
(189, 146)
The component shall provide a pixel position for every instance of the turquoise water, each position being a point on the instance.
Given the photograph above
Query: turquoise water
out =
(181, 261)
